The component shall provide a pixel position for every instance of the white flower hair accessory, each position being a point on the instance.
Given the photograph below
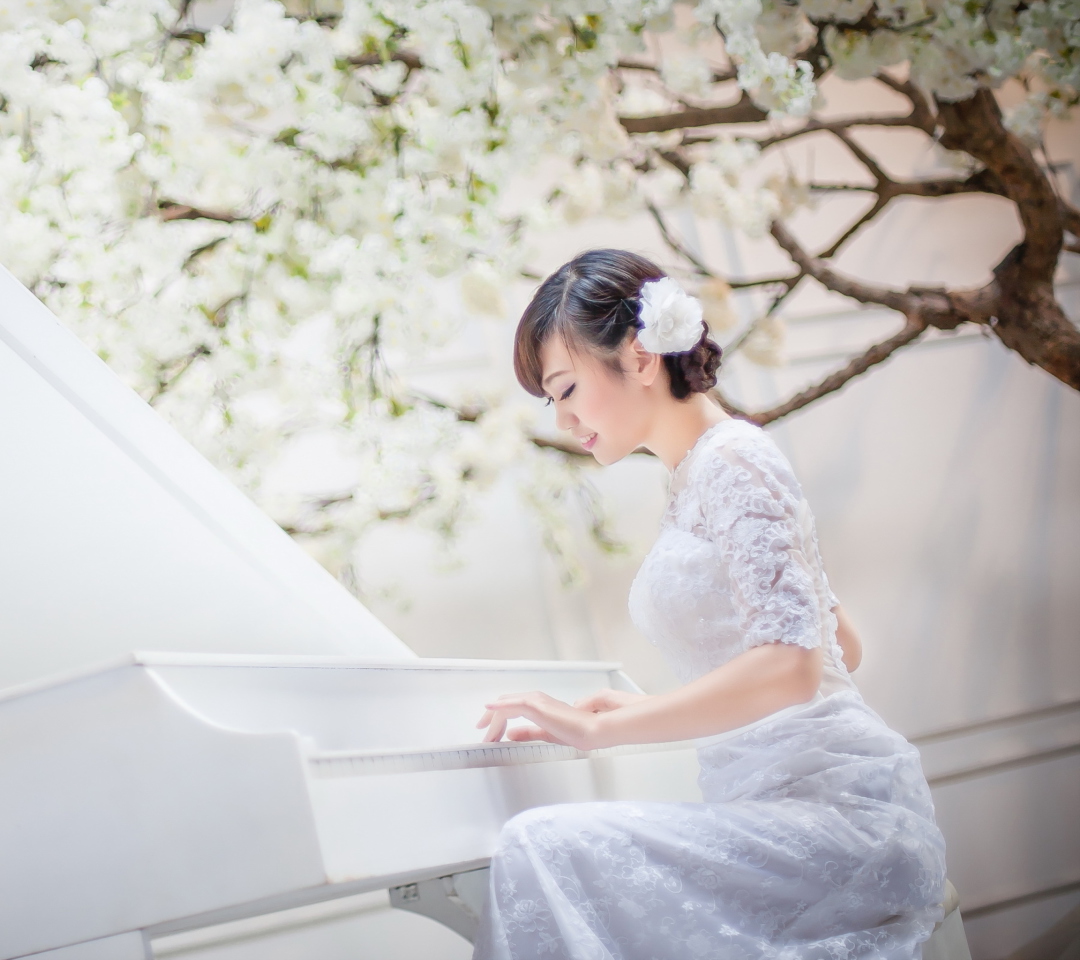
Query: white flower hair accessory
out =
(671, 316)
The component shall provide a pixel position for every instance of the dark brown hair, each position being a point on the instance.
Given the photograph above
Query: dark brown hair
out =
(590, 301)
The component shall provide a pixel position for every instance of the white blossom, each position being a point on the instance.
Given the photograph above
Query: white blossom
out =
(262, 229)
(687, 74)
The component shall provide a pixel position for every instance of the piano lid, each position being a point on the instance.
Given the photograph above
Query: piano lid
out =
(118, 535)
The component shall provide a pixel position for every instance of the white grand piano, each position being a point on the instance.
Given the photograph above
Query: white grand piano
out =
(147, 794)
(153, 793)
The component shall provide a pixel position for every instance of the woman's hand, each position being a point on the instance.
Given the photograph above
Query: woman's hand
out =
(552, 720)
(846, 636)
(606, 700)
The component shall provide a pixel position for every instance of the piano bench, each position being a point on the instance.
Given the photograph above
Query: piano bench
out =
(948, 941)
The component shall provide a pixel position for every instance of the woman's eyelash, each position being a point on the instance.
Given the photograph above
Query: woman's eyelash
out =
(569, 390)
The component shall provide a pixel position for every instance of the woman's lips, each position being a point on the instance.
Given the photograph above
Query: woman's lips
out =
(588, 442)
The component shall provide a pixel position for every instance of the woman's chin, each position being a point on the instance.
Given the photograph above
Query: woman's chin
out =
(605, 457)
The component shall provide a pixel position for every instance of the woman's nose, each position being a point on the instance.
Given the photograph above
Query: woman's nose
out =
(564, 420)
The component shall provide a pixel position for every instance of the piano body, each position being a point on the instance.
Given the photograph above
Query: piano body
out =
(288, 748)
(166, 792)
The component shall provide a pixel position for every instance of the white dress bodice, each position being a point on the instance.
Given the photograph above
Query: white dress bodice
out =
(736, 562)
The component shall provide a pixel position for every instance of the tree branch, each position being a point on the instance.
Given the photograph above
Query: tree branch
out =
(676, 245)
(834, 126)
(718, 76)
(879, 175)
(170, 210)
(787, 281)
(912, 330)
(1026, 314)
(874, 209)
(982, 181)
(744, 111)
(827, 277)
(411, 60)
(975, 126)
(169, 373)
(922, 111)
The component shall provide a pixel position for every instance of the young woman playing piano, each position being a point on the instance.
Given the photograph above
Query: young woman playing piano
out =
(816, 837)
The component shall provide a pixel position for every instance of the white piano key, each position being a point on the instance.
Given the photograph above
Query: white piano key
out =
(376, 763)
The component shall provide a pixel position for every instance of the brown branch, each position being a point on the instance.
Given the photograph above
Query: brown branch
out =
(981, 182)
(717, 394)
(841, 188)
(1026, 315)
(672, 241)
(718, 76)
(169, 373)
(911, 330)
(922, 111)
(407, 57)
(879, 175)
(834, 126)
(677, 160)
(975, 126)
(170, 210)
(787, 281)
(872, 211)
(199, 251)
(827, 277)
(887, 189)
(744, 111)
(789, 285)
(191, 36)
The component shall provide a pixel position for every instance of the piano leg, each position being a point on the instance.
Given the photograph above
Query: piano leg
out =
(455, 900)
(125, 946)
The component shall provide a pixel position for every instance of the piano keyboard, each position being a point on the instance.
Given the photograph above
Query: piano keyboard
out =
(348, 763)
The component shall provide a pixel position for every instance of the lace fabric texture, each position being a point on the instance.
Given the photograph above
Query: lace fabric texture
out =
(816, 837)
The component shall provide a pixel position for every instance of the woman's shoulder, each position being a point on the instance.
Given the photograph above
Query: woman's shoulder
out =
(740, 453)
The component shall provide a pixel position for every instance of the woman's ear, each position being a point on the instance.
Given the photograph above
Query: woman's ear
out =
(639, 363)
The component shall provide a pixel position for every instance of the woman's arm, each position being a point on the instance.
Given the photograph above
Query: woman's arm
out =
(764, 679)
(848, 639)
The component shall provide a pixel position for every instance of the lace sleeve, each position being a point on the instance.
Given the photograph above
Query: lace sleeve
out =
(749, 507)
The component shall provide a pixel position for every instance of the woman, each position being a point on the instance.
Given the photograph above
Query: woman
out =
(816, 837)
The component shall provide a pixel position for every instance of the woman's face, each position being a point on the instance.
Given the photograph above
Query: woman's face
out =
(606, 413)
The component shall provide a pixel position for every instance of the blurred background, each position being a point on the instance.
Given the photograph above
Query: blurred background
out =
(945, 483)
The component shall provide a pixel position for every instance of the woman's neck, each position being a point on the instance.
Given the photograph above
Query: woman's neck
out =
(678, 427)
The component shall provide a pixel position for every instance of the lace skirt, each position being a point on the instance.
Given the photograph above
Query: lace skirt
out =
(816, 840)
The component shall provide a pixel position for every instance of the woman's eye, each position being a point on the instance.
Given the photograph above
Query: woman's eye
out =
(569, 390)
(549, 401)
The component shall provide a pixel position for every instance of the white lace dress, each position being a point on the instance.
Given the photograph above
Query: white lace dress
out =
(817, 836)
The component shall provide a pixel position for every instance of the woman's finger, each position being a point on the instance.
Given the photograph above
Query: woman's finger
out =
(510, 700)
(531, 732)
(495, 730)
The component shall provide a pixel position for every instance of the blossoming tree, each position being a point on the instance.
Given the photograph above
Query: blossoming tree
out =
(260, 213)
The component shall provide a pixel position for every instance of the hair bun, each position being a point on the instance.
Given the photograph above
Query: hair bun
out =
(694, 371)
